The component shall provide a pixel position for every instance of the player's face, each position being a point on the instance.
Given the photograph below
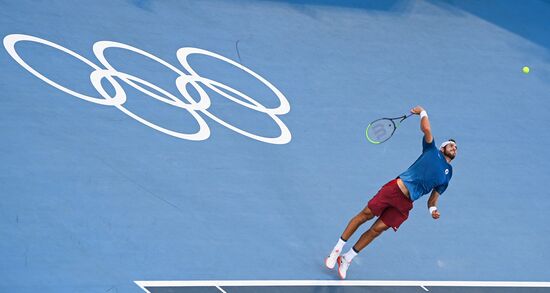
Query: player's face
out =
(450, 150)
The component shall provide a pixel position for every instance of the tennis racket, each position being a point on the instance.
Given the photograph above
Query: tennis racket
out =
(382, 129)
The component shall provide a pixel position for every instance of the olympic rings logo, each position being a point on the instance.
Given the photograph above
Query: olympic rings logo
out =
(192, 78)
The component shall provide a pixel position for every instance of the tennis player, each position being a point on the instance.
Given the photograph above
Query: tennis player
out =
(430, 173)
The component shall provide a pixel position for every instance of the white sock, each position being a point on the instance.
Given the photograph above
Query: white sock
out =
(339, 245)
(350, 255)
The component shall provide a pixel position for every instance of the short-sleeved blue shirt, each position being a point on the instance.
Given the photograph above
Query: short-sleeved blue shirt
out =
(430, 171)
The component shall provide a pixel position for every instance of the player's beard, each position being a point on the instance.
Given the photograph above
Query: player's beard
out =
(449, 154)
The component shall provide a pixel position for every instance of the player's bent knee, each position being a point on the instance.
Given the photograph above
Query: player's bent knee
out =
(373, 233)
(379, 227)
(367, 213)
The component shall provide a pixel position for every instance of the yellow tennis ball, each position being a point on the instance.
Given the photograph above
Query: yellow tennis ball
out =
(525, 69)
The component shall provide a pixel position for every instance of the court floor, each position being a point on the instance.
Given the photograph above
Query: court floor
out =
(168, 142)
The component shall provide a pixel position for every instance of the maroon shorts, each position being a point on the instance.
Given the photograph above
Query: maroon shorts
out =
(391, 205)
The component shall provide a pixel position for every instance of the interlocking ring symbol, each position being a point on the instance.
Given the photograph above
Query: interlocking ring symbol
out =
(108, 72)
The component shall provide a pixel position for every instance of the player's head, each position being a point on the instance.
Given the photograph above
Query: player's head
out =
(449, 148)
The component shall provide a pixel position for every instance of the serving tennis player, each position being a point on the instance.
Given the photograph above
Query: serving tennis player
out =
(431, 172)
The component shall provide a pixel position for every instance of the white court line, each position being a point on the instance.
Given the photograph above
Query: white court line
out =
(425, 289)
(295, 283)
(223, 291)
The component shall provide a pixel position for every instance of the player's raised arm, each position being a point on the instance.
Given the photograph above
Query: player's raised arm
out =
(424, 123)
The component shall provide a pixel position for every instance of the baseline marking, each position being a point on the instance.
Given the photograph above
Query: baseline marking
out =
(295, 283)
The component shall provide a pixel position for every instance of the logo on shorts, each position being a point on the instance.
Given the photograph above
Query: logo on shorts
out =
(446, 171)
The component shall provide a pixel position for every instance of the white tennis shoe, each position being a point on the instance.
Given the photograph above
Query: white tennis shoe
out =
(330, 261)
(343, 266)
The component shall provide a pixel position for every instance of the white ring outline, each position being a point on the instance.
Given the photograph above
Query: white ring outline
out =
(204, 130)
(284, 106)
(100, 47)
(285, 136)
(9, 44)
(120, 95)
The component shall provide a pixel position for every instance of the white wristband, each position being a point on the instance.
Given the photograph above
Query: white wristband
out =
(423, 114)
(432, 209)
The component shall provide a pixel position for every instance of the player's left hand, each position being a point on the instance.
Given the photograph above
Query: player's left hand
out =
(435, 214)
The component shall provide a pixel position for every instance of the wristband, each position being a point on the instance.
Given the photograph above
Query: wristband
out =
(432, 209)
(423, 114)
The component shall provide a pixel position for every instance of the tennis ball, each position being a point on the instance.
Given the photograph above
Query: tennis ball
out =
(525, 69)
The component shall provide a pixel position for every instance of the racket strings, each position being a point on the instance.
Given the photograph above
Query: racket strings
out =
(380, 130)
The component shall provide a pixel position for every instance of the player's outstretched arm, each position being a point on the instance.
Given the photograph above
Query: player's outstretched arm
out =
(424, 123)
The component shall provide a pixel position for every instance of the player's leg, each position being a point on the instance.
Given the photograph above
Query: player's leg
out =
(392, 207)
(345, 260)
(375, 207)
(375, 230)
(363, 216)
(391, 217)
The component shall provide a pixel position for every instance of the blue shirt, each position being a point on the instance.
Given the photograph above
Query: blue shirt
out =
(430, 171)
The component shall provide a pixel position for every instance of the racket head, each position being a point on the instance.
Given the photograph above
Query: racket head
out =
(378, 131)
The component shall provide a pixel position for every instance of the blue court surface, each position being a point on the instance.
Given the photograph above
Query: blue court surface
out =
(147, 145)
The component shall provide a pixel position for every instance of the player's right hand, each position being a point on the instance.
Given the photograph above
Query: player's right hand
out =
(416, 110)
